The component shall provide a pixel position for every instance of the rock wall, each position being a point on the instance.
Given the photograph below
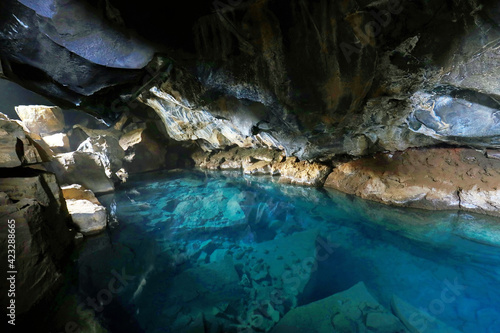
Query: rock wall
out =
(32, 197)
(312, 78)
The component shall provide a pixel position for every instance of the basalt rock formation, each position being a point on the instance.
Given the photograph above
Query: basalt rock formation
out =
(312, 78)
(314, 82)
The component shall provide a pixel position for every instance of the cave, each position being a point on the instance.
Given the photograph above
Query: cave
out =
(250, 166)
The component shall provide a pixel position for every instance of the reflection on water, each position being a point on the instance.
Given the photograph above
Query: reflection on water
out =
(222, 252)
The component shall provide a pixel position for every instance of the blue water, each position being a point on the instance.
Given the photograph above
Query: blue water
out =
(213, 249)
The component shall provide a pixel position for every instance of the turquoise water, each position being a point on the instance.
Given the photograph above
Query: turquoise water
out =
(233, 253)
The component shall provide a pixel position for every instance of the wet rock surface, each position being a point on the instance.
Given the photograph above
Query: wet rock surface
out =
(263, 161)
(430, 178)
(352, 310)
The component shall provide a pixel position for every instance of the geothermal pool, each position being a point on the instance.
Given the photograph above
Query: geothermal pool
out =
(221, 252)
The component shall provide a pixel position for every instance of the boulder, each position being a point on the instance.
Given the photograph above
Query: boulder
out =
(16, 147)
(43, 240)
(82, 168)
(58, 143)
(143, 153)
(41, 119)
(90, 218)
(353, 310)
(78, 192)
(108, 149)
(421, 178)
(298, 172)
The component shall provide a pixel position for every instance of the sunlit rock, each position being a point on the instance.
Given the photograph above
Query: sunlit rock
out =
(302, 172)
(260, 167)
(90, 217)
(16, 147)
(78, 192)
(109, 151)
(83, 168)
(58, 143)
(41, 119)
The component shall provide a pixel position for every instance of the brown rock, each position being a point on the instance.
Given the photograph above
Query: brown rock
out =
(302, 172)
(426, 178)
(41, 119)
(16, 148)
(82, 168)
(43, 239)
(143, 153)
(58, 143)
(261, 167)
(78, 192)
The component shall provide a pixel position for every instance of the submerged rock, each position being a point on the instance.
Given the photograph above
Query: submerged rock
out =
(416, 320)
(353, 310)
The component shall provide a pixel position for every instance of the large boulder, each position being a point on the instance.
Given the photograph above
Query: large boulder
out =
(90, 218)
(34, 200)
(143, 153)
(422, 179)
(16, 147)
(353, 310)
(82, 168)
(41, 119)
(108, 149)
(85, 210)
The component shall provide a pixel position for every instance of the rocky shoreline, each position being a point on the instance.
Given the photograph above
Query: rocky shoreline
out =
(427, 178)
(52, 172)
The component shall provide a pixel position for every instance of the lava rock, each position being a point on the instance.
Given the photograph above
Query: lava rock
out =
(16, 147)
(41, 119)
(143, 153)
(82, 168)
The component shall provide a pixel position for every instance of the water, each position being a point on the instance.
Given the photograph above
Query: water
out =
(234, 253)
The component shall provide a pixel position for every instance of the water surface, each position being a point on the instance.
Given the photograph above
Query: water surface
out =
(238, 252)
